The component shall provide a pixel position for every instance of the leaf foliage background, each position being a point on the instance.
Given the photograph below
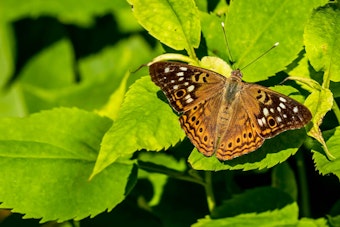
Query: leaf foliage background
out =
(86, 139)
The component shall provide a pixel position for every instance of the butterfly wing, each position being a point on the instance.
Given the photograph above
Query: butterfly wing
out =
(199, 124)
(237, 133)
(195, 92)
(185, 86)
(272, 112)
(257, 113)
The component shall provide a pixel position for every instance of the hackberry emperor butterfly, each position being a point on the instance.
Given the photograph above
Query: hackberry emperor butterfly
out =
(225, 116)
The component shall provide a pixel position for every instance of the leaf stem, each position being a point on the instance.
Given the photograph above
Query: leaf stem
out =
(302, 178)
(171, 173)
(336, 110)
(191, 177)
(208, 186)
(191, 53)
(326, 80)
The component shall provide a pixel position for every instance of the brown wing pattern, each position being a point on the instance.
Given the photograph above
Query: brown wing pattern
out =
(225, 116)
(199, 124)
(185, 86)
(239, 136)
(272, 112)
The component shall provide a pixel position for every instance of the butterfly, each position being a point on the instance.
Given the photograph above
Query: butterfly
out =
(225, 116)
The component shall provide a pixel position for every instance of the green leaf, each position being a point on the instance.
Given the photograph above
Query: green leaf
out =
(258, 207)
(322, 42)
(319, 102)
(323, 164)
(112, 107)
(283, 217)
(6, 52)
(216, 64)
(302, 73)
(175, 23)
(334, 221)
(335, 210)
(41, 81)
(215, 41)
(308, 222)
(111, 71)
(123, 14)
(34, 74)
(158, 162)
(283, 178)
(258, 200)
(143, 122)
(12, 104)
(101, 74)
(276, 21)
(67, 11)
(272, 152)
(164, 160)
(300, 68)
(48, 158)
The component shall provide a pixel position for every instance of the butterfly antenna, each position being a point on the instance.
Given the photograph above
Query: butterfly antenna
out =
(227, 43)
(266, 52)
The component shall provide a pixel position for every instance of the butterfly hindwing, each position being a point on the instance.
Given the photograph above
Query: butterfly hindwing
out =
(239, 135)
(199, 124)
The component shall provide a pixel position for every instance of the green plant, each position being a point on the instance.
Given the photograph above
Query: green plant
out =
(81, 134)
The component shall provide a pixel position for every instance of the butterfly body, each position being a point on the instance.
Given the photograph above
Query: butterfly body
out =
(225, 116)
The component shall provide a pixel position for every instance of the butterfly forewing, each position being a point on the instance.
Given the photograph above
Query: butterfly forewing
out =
(273, 112)
(185, 86)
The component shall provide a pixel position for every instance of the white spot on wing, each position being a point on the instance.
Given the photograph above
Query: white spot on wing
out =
(189, 100)
(284, 116)
(282, 99)
(279, 119)
(181, 78)
(172, 81)
(272, 110)
(282, 105)
(278, 109)
(186, 83)
(183, 68)
(263, 121)
(180, 74)
(175, 87)
(260, 122)
(187, 97)
(166, 70)
(190, 88)
(265, 112)
(295, 109)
